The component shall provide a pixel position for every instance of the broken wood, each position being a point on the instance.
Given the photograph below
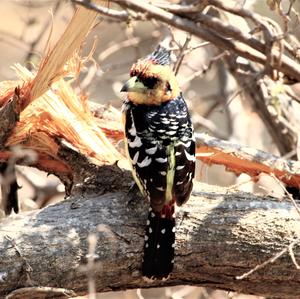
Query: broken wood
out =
(244, 159)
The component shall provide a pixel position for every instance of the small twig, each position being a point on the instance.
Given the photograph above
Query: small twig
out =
(42, 194)
(29, 292)
(213, 107)
(270, 260)
(292, 255)
(290, 154)
(26, 266)
(39, 37)
(285, 16)
(190, 49)
(203, 44)
(296, 14)
(201, 121)
(290, 7)
(92, 240)
(180, 9)
(237, 185)
(290, 197)
(139, 294)
(115, 47)
(206, 68)
(239, 11)
(181, 54)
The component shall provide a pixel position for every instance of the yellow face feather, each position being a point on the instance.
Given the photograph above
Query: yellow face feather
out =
(165, 86)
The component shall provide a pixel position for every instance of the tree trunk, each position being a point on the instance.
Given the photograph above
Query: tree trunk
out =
(220, 235)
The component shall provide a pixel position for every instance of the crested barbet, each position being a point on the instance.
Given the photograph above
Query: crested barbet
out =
(160, 143)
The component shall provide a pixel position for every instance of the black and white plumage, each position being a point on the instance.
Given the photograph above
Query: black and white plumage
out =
(153, 133)
(161, 148)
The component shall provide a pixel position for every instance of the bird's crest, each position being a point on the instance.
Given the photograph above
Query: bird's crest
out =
(160, 56)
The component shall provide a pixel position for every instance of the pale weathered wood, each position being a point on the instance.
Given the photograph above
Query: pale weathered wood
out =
(220, 235)
(244, 159)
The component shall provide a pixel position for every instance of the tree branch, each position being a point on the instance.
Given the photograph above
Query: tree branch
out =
(243, 159)
(216, 33)
(220, 235)
(106, 11)
(258, 88)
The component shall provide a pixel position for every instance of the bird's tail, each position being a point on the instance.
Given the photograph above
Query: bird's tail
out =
(159, 243)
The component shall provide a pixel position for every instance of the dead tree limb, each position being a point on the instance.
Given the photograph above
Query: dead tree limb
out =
(220, 235)
(221, 36)
(243, 159)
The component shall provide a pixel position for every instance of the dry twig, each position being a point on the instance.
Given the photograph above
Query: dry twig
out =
(274, 258)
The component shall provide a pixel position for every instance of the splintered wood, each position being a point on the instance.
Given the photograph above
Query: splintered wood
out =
(50, 110)
(242, 159)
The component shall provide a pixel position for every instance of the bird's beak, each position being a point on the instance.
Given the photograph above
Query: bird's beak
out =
(134, 85)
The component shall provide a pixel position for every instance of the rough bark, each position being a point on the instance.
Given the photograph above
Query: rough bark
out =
(9, 115)
(220, 235)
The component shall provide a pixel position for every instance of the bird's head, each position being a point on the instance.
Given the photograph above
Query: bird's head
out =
(152, 81)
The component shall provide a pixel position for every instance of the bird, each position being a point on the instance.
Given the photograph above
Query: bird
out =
(160, 145)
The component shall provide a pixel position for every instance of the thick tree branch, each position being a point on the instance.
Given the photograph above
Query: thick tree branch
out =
(215, 32)
(220, 235)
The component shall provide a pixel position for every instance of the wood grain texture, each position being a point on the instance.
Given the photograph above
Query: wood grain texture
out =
(220, 235)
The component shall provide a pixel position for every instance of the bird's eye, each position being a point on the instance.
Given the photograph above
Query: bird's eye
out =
(168, 86)
(149, 82)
